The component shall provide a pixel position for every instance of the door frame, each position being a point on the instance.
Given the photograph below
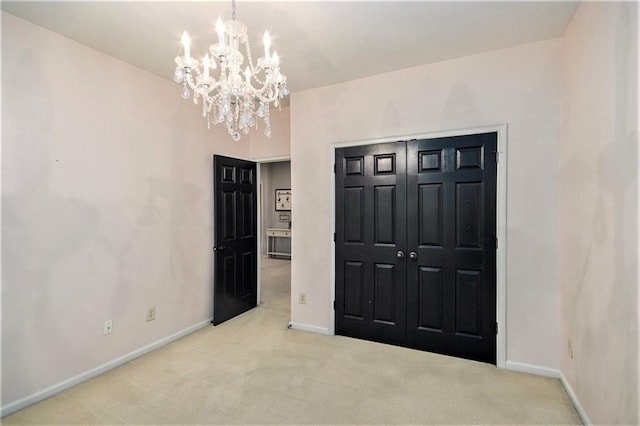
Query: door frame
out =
(501, 221)
(259, 162)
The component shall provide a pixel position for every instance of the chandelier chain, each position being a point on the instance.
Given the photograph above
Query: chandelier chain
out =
(250, 60)
(233, 9)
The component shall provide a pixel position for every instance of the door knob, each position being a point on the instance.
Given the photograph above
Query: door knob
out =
(400, 254)
(413, 255)
(221, 248)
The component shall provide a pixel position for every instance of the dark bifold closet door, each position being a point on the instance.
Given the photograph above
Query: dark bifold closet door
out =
(235, 215)
(444, 240)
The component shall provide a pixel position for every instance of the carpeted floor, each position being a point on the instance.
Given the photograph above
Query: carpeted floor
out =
(252, 369)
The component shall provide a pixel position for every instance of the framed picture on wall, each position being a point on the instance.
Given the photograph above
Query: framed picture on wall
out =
(283, 200)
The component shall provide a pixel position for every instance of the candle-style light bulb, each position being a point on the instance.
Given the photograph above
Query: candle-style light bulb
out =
(186, 44)
(220, 30)
(267, 44)
(206, 63)
(247, 74)
(276, 58)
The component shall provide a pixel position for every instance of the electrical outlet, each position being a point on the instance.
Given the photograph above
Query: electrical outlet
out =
(151, 313)
(570, 348)
(108, 327)
(303, 298)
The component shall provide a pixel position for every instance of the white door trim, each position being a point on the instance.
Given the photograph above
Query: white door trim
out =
(501, 222)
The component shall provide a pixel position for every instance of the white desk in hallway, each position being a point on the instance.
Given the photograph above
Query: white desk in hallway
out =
(272, 235)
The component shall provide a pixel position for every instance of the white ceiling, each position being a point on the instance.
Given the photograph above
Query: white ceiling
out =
(319, 42)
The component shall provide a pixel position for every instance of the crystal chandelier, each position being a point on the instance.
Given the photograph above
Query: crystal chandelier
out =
(235, 98)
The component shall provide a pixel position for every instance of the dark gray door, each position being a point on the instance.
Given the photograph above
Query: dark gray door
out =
(235, 215)
(443, 227)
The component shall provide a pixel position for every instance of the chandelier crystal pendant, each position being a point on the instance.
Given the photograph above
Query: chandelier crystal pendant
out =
(236, 98)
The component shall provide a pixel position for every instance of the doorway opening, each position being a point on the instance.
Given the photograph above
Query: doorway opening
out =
(274, 233)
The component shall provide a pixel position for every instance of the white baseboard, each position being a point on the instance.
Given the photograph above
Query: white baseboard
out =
(556, 374)
(311, 328)
(14, 406)
(532, 369)
(576, 402)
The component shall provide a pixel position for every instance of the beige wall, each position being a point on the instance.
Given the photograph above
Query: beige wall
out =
(598, 220)
(106, 208)
(519, 86)
(278, 144)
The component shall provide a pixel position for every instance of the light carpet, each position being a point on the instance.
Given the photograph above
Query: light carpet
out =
(252, 369)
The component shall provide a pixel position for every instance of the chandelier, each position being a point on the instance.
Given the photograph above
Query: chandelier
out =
(236, 98)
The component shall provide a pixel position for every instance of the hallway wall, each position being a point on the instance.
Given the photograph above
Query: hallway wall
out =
(274, 176)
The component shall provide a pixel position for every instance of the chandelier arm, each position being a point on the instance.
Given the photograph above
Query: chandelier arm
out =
(254, 90)
(202, 90)
(211, 88)
(267, 100)
(259, 93)
(189, 78)
(265, 85)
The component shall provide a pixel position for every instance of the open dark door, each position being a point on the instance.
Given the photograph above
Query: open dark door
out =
(235, 216)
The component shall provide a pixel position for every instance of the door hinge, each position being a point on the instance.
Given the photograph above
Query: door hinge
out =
(497, 153)
(334, 168)
(334, 305)
(334, 237)
(496, 243)
(496, 327)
